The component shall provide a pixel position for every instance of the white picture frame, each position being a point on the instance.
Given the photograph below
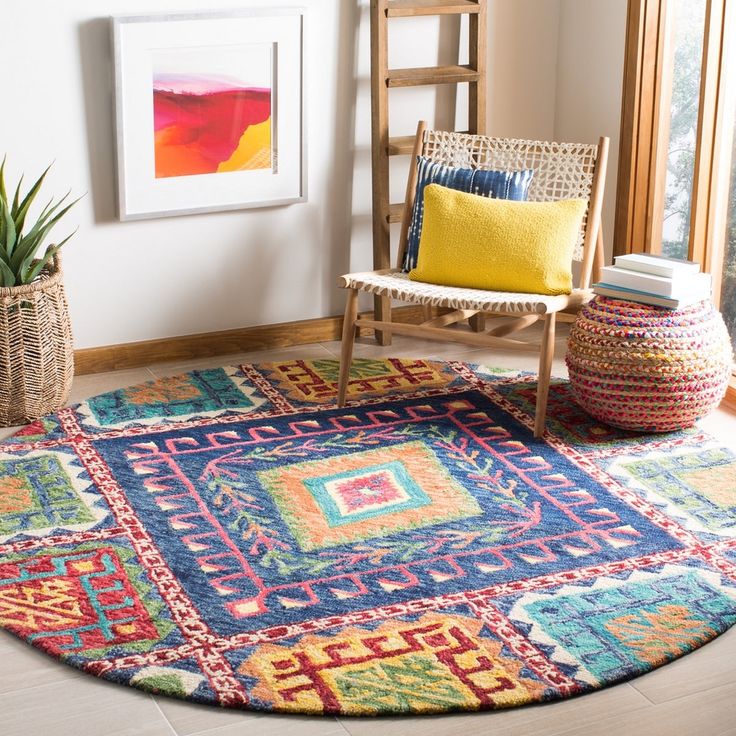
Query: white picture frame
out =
(192, 92)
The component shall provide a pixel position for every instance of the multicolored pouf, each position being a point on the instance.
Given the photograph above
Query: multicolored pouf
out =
(648, 368)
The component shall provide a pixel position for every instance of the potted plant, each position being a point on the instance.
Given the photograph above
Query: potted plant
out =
(36, 355)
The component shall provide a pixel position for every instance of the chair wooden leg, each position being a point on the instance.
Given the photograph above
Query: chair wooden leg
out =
(478, 322)
(545, 372)
(348, 338)
(382, 313)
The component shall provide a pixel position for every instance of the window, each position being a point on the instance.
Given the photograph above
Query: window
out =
(728, 263)
(677, 165)
(685, 26)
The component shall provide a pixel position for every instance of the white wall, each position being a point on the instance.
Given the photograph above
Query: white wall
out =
(178, 275)
(590, 66)
(182, 275)
(522, 68)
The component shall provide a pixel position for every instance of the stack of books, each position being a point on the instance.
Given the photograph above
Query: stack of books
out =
(659, 280)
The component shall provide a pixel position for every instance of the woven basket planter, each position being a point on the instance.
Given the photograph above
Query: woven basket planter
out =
(647, 368)
(36, 355)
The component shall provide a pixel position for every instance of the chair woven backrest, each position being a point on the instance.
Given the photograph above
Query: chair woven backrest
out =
(561, 170)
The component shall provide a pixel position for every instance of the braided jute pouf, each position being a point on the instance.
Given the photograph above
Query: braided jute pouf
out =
(647, 368)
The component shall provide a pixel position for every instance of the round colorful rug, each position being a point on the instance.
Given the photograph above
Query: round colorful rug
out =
(229, 536)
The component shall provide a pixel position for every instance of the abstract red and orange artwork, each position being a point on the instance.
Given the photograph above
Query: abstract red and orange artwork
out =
(209, 111)
(212, 111)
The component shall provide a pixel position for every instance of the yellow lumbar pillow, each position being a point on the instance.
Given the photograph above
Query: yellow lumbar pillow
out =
(497, 244)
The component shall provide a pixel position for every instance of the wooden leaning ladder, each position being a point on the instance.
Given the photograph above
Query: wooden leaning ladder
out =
(382, 79)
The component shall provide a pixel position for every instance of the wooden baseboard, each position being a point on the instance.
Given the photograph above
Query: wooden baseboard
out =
(208, 344)
(729, 400)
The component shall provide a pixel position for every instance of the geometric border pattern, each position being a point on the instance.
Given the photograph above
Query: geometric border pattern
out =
(172, 400)
(94, 599)
(706, 506)
(57, 479)
(604, 631)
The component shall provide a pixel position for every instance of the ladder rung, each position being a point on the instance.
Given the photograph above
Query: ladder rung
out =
(403, 145)
(402, 8)
(395, 212)
(413, 77)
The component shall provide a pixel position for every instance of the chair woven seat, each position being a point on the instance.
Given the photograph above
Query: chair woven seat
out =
(397, 285)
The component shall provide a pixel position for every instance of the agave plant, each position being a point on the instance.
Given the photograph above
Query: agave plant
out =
(20, 240)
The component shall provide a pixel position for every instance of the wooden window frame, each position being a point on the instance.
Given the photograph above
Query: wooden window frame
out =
(640, 125)
(645, 135)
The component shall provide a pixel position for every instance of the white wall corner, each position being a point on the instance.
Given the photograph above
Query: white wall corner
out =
(523, 36)
(592, 35)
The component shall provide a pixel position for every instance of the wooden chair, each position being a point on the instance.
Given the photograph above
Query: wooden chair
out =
(561, 171)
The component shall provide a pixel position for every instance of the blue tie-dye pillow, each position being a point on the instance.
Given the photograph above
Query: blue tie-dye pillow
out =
(495, 184)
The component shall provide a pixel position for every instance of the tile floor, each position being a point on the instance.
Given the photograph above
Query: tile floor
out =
(695, 695)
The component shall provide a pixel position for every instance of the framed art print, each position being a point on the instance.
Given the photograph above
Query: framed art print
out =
(208, 110)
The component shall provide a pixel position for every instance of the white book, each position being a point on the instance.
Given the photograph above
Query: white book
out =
(679, 286)
(643, 297)
(657, 265)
